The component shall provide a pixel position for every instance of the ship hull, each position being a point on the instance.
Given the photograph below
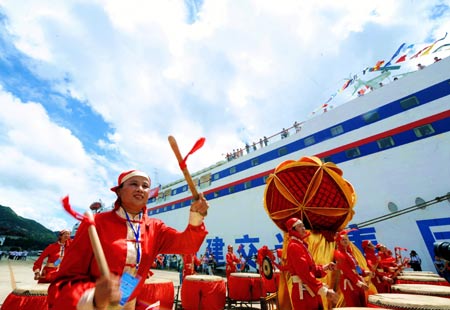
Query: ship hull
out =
(393, 146)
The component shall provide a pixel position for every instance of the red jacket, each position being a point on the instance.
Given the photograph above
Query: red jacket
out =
(301, 263)
(79, 270)
(53, 254)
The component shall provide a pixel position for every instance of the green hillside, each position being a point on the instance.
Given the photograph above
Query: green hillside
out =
(23, 233)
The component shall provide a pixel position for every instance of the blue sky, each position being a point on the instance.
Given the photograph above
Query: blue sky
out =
(89, 89)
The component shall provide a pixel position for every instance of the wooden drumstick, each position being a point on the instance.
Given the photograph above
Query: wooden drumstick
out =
(187, 176)
(97, 247)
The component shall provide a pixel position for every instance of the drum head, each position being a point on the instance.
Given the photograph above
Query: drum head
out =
(32, 290)
(245, 275)
(421, 278)
(201, 277)
(409, 301)
(422, 289)
(267, 268)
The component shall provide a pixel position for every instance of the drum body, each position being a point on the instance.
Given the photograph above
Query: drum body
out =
(155, 290)
(205, 292)
(27, 298)
(422, 280)
(408, 301)
(245, 286)
(422, 289)
(271, 286)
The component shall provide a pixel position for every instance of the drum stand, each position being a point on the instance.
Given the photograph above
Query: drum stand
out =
(177, 301)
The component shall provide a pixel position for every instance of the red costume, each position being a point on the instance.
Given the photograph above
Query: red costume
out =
(351, 281)
(190, 261)
(380, 278)
(79, 270)
(387, 263)
(306, 290)
(54, 254)
(231, 260)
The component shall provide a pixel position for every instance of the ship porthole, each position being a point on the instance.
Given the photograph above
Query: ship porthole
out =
(420, 203)
(392, 207)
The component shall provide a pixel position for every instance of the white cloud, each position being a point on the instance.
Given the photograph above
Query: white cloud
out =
(243, 70)
(42, 162)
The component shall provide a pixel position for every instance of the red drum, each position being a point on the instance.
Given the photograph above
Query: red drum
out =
(422, 289)
(271, 286)
(154, 290)
(27, 298)
(244, 286)
(421, 280)
(203, 292)
(408, 301)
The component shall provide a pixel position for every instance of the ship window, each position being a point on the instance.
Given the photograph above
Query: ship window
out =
(337, 130)
(232, 170)
(326, 159)
(248, 184)
(205, 180)
(409, 103)
(309, 140)
(371, 117)
(184, 188)
(424, 130)
(182, 204)
(231, 189)
(351, 153)
(216, 194)
(216, 176)
(392, 207)
(282, 151)
(265, 178)
(255, 162)
(385, 143)
(173, 207)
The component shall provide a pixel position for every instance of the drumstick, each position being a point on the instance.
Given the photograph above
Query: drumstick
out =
(97, 247)
(187, 176)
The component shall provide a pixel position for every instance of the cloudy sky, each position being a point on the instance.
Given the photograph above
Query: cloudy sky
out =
(92, 88)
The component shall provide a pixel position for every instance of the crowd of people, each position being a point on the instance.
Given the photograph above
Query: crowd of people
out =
(14, 255)
(264, 141)
(132, 242)
(383, 268)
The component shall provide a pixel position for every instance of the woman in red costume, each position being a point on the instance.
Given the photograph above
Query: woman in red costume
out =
(190, 262)
(380, 279)
(351, 281)
(306, 289)
(232, 260)
(54, 254)
(388, 263)
(131, 241)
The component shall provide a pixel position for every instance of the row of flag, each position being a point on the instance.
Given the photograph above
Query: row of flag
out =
(382, 66)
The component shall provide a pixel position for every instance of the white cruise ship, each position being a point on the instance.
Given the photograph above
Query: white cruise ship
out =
(393, 145)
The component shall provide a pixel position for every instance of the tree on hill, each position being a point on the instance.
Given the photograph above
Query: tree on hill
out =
(23, 233)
